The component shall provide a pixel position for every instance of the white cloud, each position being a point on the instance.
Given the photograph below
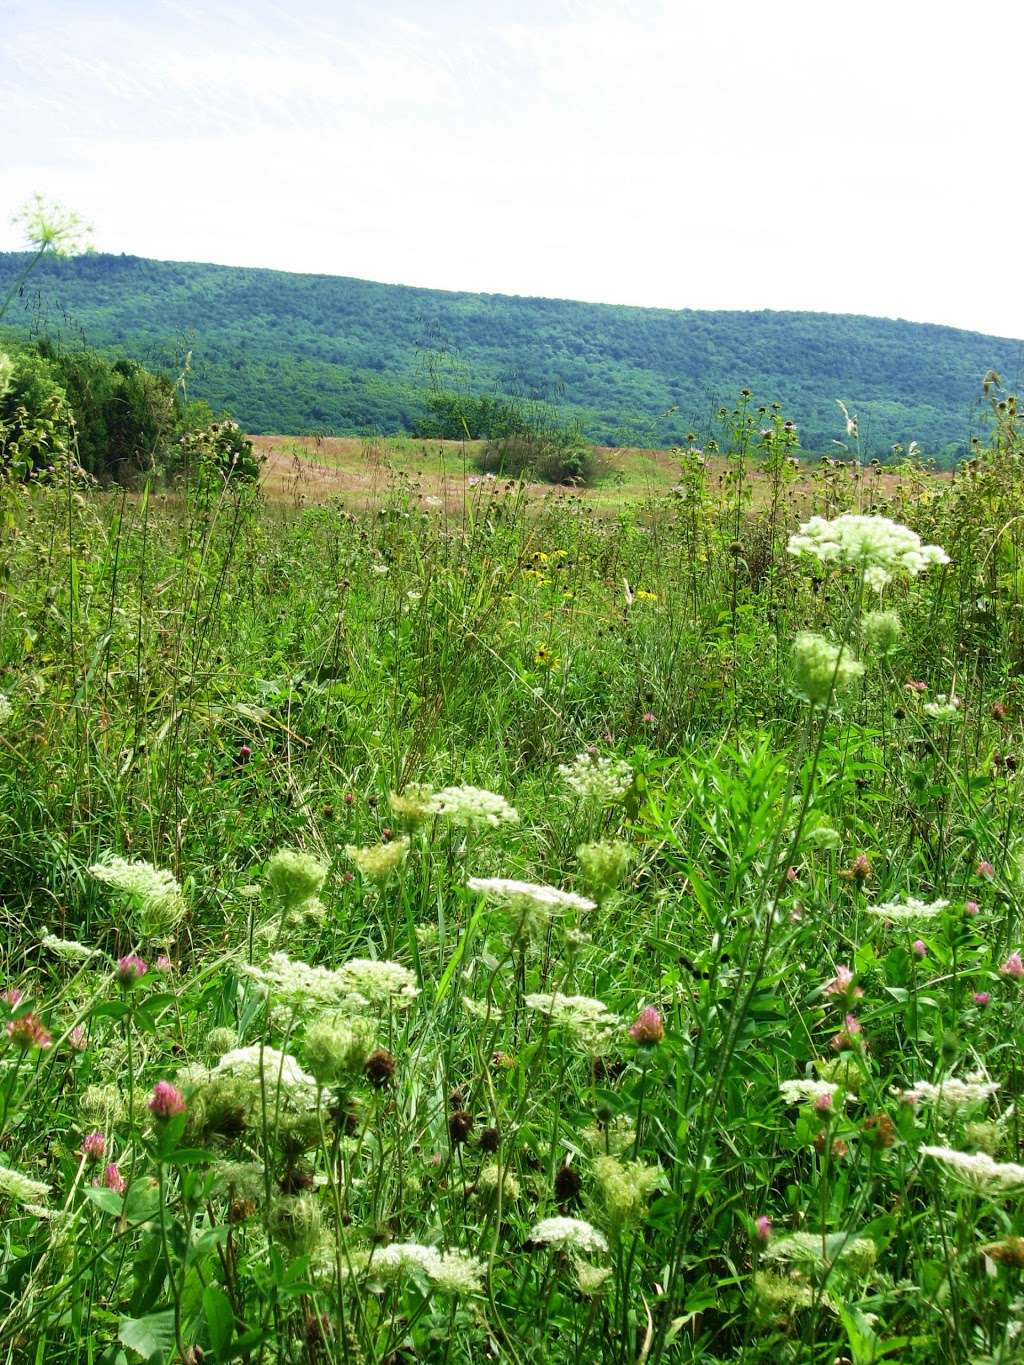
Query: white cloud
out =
(683, 153)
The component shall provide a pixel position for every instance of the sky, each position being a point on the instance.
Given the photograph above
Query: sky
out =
(789, 154)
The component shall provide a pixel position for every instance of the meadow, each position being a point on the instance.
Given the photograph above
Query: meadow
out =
(444, 923)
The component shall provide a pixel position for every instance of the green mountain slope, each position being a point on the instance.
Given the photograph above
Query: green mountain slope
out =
(295, 353)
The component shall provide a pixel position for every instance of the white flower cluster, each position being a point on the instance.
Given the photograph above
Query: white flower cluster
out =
(21, 1189)
(807, 1091)
(379, 983)
(377, 862)
(881, 547)
(978, 1170)
(471, 806)
(6, 709)
(821, 668)
(452, 1272)
(544, 898)
(279, 1068)
(68, 948)
(597, 778)
(153, 891)
(910, 910)
(589, 1020)
(857, 1252)
(568, 1234)
(952, 1094)
(943, 708)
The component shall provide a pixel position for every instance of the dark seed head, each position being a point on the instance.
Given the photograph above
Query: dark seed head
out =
(379, 1068)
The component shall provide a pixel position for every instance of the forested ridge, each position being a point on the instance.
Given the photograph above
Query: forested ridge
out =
(298, 353)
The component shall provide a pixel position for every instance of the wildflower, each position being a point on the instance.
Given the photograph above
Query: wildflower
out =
(910, 910)
(379, 983)
(879, 547)
(543, 658)
(879, 1131)
(1013, 967)
(843, 984)
(568, 1234)
(412, 807)
(77, 1039)
(94, 1146)
(880, 631)
(335, 1050)
(379, 1068)
(154, 894)
(978, 1170)
(913, 686)
(52, 228)
(164, 965)
(452, 1272)
(472, 806)
(952, 1094)
(377, 862)
(971, 908)
(648, 1028)
(113, 1179)
(130, 970)
(649, 718)
(532, 906)
(68, 948)
(985, 869)
(822, 1103)
(279, 1068)
(943, 708)
(604, 864)
(919, 948)
(27, 1032)
(494, 1178)
(981, 998)
(12, 996)
(821, 668)
(806, 1091)
(166, 1102)
(625, 1187)
(588, 1020)
(21, 1189)
(597, 779)
(825, 838)
(858, 1254)
(846, 1039)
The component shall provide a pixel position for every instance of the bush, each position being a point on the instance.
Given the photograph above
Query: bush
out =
(551, 456)
(216, 454)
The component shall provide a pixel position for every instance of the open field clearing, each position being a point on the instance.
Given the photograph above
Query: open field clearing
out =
(365, 470)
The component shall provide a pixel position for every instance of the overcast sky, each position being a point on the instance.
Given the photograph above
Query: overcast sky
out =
(847, 155)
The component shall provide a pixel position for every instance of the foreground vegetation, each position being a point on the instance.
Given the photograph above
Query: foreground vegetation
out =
(305, 353)
(506, 933)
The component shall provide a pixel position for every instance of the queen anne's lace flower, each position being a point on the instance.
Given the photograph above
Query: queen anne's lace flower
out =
(377, 863)
(597, 778)
(379, 983)
(943, 708)
(548, 899)
(471, 806)
(589, 1020)
(952, 1094)
(452, 1272)
(807, 1091)
(978, 1170)
(21, 1189)
(907, 911)
(279, 1068)
(68, 948)
(882, 548)
(6, 709)
(821, 668)
(300, 984)
(154, 893)
(568, 1234)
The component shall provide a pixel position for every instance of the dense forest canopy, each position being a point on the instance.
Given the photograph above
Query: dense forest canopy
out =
(298, 353)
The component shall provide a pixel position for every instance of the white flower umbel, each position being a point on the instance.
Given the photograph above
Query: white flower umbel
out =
(279, 1068)
(597, 778)
(471, 806)
(807, 1091)
(508, 891)
(153, 892)
(568, 1234)
(6, 709)
(978, 1170)
(299, 984)
(952, 1094)
(821, 668)
(589, 1020)
(943, 709)
(21, 1189)
(379, 983)
(908, 911)
(451, 1272)
(68, 948)
(882, 548)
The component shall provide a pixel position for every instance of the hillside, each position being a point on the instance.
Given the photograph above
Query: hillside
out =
(299, 353)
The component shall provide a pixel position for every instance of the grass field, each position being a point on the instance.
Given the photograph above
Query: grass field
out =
(460, 922)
